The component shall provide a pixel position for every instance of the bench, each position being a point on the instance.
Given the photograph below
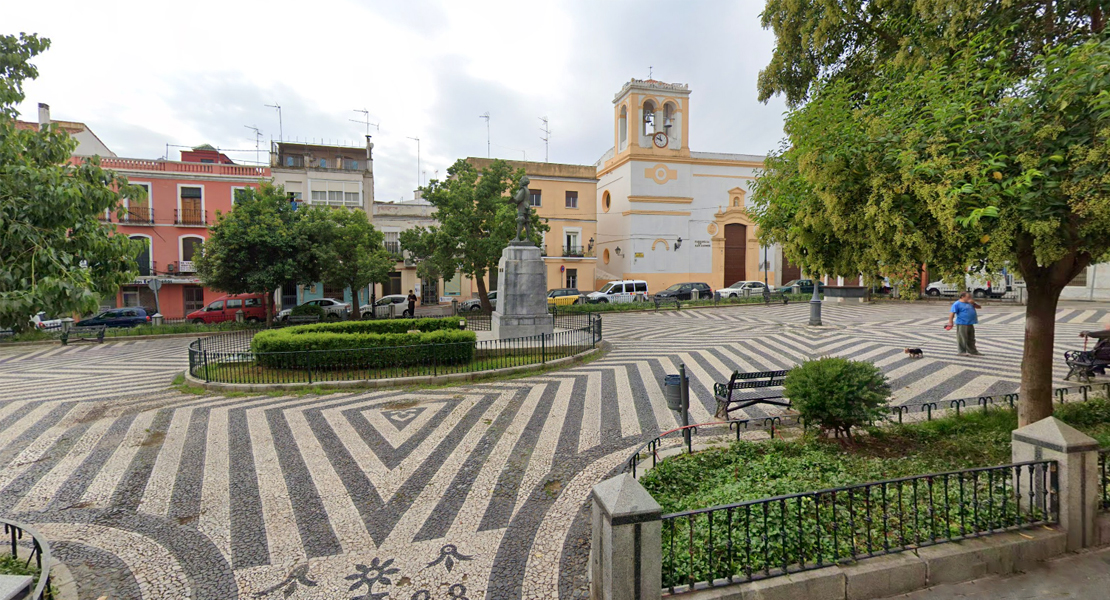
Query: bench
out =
(768, 295)
(303, 319)
(1082, 364)
(89, 332)
(726, 402)
(659, 301)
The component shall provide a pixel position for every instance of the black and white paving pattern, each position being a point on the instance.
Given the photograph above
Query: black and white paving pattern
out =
(472, 491)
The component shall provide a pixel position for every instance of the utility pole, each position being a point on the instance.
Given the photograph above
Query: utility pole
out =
(280, 128)
(546, 129)
(366, 121)
(486, 117)
(257, 137)
(417, 160)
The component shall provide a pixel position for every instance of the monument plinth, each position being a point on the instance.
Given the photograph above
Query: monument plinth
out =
(522, 278)
(521, 299)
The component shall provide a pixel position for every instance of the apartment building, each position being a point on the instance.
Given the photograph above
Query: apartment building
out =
(392, 218)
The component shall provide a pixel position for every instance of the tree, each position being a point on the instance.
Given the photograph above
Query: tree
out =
(56, 255)
(351, 252)
(258, 247)
(476, 222)
(965, 161)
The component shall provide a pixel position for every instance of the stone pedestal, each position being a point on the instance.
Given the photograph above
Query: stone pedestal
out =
(521, 309)
(1076, 455)
(626, 542)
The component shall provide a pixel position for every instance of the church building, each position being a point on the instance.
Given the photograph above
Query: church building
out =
(666, 214)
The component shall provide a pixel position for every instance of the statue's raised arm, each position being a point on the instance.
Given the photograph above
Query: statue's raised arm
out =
(523, 211)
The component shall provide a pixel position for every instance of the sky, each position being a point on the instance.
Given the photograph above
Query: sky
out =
(146, 76)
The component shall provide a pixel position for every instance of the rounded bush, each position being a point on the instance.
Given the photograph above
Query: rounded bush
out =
(838, 394)
(308, 310)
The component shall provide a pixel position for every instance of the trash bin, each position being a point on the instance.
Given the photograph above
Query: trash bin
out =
(672, 390)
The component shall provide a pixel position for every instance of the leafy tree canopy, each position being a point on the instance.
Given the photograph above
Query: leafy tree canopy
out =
(476, 222)
(56, 255)
(351, 252)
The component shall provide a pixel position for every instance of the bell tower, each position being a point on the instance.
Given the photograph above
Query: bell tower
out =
(651, 118)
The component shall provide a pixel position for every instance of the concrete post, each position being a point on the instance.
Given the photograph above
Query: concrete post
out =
(626, 547)
(1076, 455)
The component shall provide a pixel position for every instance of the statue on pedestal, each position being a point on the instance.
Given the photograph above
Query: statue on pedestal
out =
(523, 203)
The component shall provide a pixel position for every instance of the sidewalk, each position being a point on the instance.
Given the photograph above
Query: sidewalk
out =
(1081, 576)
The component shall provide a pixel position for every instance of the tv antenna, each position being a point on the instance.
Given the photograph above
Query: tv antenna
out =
(486, 117)
(649, 71)
(546, 129)
(417, 160)
(366, 121)
(257, 138)
(280, 128)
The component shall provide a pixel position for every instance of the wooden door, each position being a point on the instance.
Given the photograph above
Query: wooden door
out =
(790, 272)
(736, 244)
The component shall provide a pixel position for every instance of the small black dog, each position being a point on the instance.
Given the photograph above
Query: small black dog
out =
(915, 352)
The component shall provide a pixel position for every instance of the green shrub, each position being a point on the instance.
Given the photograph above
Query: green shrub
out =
(382, 326)
(290, 349)
(308, 310)
(837, 393)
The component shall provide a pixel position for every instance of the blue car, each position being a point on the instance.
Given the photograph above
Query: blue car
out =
(118, 317)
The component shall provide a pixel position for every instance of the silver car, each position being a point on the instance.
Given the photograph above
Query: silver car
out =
(334, 310)
(382, 310)
(475, 303)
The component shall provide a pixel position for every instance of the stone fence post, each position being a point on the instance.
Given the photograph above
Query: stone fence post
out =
(1076, 455)
(626, 542)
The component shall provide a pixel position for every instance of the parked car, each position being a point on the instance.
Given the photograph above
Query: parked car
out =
(802, 286)
(381, 307)
(685, 291)
(475, 303)
(42, 322)
(628, 290)
(334, 310)
(224, 308)
(130, 316)
(565, 297)
(753, 288)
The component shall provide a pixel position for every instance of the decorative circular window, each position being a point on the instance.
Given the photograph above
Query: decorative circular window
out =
(606, 201)
(605, 256)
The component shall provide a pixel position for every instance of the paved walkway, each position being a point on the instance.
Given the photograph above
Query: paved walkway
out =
(1084, 576)
(462, 492)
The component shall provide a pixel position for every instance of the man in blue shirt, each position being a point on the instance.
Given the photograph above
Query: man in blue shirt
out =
(964, 315)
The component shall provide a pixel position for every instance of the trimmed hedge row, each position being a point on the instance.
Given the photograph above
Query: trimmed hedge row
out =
(286, 349)
(382, 326)
(308, 310)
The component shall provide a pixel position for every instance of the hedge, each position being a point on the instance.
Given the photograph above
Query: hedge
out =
(382, 326)
(288, 349)
(308, 310)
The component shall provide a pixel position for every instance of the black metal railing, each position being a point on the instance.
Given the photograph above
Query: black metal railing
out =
(1103, 480)
(574, 251)
(477, 320)
(653, 447)
(228, 358)
(393, 248)
(190, 216)
(765, 538)
(28, 545)
(139, 215)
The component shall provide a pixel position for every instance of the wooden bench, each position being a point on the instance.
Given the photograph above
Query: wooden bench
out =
(303, 319)
(91, 333)
(728, 402)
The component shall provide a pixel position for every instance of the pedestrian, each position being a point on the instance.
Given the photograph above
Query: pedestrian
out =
(412, 304)
(965, 318)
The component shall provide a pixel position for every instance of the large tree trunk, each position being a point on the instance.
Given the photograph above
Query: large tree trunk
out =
(483, 295)
(1036, 360)
(266, 307)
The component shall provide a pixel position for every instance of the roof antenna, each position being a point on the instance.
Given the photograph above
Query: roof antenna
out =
(366, 121)
(546, 129)
(486, 117)
(280, 128)
(649, 71)
(257, 136)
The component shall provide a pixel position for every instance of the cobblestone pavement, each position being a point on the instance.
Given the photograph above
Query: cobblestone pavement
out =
(473, 491)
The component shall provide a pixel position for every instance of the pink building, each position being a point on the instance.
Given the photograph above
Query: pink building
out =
(182, 200)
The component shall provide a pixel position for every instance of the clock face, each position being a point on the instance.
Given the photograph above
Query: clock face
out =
(661, 139)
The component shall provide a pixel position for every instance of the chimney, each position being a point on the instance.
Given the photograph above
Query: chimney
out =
(44, 114)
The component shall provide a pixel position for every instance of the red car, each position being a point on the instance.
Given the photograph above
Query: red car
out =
(225, 307)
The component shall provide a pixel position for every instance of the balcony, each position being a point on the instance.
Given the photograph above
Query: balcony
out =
(190, 217)
(573, 252)
(165, 166)
(139, 215)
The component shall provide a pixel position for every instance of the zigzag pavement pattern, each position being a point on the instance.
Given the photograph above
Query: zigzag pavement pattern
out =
(465, 491)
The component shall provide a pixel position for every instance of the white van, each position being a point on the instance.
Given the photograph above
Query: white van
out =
(628, 290)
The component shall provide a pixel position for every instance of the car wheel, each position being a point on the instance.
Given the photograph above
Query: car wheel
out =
(367, 315)
(603, 301)
(932, 292)
(198, 321)
(979, 294)
(253, 320)
(406, 313)
(333, 317)
(474, 308)
(732, 295)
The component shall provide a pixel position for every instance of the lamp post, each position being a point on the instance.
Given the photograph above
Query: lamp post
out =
(765, 266)
(815, 304)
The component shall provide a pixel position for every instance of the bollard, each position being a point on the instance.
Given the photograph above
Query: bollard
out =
(626, 542)
(238, 316)
(157, 318)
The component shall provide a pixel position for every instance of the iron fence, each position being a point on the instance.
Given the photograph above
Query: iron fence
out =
(765, 538)
(36, 549)
(228, 358)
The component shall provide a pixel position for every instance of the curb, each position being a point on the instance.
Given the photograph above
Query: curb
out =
(394, 382)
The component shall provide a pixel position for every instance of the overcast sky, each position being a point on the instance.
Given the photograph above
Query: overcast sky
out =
(146, 74)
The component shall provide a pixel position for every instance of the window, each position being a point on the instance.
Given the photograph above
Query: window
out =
(194, 298)
(606, 200)
(320, 196)
(333, 292)
(392, 242)
(641, 286)
(572, 199)
(351, 165)
(252, 302)
(535, 198)
(239, 194)
(191, 192)
(145, 199)
(138, 209)
(217, 305)
(623, 128)
(336, 193)
(294, 161)
(234, 304)
(191, 247)
(572, 279)
(323, 163)
(649, 118)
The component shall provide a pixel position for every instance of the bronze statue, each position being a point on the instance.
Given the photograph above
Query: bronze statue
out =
(523, 212)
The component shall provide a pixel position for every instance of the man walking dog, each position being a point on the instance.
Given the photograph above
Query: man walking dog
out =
(965, 318)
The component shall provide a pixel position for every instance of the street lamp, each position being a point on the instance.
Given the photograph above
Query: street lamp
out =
(815, 304)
